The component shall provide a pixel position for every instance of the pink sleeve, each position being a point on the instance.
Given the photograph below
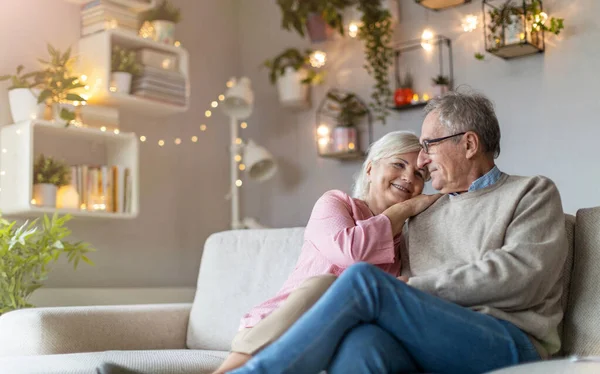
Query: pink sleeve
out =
(344, 241)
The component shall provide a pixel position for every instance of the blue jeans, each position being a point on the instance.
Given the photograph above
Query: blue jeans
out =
(370, 322)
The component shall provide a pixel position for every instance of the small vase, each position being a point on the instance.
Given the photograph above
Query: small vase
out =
(120, 82)
(44, 194)
(24, 105)
(292, 92)
(318, 30)
(344, 139)
(164, 31)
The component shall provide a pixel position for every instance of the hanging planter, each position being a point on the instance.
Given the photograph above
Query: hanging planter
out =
(441, 85)
(514, 28)
(292, 73)
(318, 30)
(441, 4)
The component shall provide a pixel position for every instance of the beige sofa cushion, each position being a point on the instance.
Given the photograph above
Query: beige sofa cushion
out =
(239, 269)
(180, 361)
(582, 320)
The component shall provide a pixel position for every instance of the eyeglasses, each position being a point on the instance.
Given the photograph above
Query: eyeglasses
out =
(427, 143)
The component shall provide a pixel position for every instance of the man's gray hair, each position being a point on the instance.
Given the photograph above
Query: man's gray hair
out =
(391, 144)
(470, 111)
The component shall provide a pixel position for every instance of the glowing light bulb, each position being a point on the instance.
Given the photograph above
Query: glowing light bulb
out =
(243, 125)
(323, 130)
(238, 141)
(323, 141)
(425, 97)
(194, 139)
(177, 43)
(242, 167)
(351, 145)
(103, 128)
(353, 29)
(202, 127)
(33, 202)
(208, 113)
(214, 104)
(229, 84)
(470, 22)
(142, 138)
(221, 97)
(177, 141)
(4, 150)
(116, 131)
(83, 78)
(238, 183)
(427, 40)
(161, 143)
(317, 59)
(237, 158)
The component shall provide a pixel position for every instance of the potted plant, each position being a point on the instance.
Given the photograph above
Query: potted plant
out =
(441, 85)
(319, 19)
(163, 19)
(124, 67)
(23, 96)
(376, 31)
(404, 91)
(58, 85)
(28, 251)
(292, 73)
(350, 110)
(48, 175)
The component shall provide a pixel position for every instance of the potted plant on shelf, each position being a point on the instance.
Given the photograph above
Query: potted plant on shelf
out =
(350, 110)
(163, 19)
(58, 85)
(23, 96)
(376, 31)
(441, 85)
(48, 175)
(292, 73)
(319, 19)
(124, 67)
(404, 91)
(28, 251)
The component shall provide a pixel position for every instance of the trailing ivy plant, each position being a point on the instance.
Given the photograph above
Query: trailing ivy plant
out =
(294, 58)
(376, 32)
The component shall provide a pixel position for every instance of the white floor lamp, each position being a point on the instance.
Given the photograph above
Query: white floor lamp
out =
(260, 165)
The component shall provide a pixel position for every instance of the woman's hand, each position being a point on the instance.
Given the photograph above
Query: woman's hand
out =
(399, 213)
(403, 278)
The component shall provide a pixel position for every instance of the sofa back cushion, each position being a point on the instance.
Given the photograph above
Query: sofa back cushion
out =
(581, 324)
(239, 269)
(566, 275)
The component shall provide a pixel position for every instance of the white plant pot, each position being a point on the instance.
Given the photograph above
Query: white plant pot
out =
(344, 139)
(164, 31)
(439, 89)
(121, 82)
(45, 194)
(23, 104)
(292, 92)
(67, 197)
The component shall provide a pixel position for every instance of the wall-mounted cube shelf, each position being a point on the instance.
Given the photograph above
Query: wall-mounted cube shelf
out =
(20, 144)
(135, 5)
(441, 4)
(95, 62)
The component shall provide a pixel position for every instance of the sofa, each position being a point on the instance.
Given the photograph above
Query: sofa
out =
(239, 268)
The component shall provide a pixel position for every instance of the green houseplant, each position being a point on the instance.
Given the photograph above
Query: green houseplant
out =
(163, 19)
(441, 84)
(375, 31)
(124, 67)
(23, 95)
(27, 253)
(292, 73)
(59, 84)
(48, 174)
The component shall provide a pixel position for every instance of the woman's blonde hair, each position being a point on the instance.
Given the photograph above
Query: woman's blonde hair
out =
(391, 144)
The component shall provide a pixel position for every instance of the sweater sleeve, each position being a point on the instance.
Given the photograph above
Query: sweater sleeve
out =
(343, 240)
(523, 271)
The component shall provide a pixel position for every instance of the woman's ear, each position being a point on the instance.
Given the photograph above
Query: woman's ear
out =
(369, 167)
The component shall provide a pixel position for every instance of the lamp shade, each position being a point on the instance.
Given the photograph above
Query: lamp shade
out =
(260, 164)
(239, 99)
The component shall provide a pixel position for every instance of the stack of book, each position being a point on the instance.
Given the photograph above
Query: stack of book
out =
(159, 79)
(103, 188)
(101, 15)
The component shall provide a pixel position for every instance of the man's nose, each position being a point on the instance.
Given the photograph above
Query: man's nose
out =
(422, 159)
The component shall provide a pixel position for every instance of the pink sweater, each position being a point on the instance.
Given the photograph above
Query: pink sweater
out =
(341, 231)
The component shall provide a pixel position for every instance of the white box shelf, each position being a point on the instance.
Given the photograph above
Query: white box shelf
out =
(20, 143)
(94, 60)
(135, 5)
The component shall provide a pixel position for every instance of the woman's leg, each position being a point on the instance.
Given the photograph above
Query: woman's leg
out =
(438, 335)
(248, 342)
(368, 349)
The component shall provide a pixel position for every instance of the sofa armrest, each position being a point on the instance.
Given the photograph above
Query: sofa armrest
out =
(44, 331)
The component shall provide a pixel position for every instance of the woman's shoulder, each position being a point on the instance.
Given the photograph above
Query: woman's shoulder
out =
(339, 197)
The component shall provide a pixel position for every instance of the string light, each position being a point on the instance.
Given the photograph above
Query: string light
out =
(142, 138)
(177, 43)
(470, 22)
(221, 97)
(83, 78)
(202, 127)
(353, 28)
(317, 59)
(161, 143)
(208, 113)
(177, 141)
(323, 130)
(4, 150)
(242, 167)
(229, 84)
(103, 128)
(2, 172)
(117, 131)
(194, 138)
(238, 141)
(214, 104)
(243, 125)
(237, 158)
(238, 183)
(427, 40)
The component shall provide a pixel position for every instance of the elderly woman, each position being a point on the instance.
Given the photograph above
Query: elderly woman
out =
(343, 230)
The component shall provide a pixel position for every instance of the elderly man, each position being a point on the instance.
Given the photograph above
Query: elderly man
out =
(480, 286)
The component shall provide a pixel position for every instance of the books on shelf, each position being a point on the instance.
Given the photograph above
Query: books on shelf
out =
(160, 84)
(101, 15)
(103, 188)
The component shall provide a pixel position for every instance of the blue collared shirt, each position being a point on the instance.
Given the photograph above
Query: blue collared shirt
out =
(485, 180)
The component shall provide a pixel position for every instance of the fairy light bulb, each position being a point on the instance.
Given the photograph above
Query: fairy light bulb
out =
(142, 138)
(238, 183)
(243, 125)
(323, 130)
(238, 141)
(317, 59)
(194, 139)
(214, 104)
(237, 158)
(221, 97)
(208, 113)
(161, 143)
(353, 29)
(427, 40)
(202, 127)
(103, 128)
(116, 131)
(470, 22)
(177, 141)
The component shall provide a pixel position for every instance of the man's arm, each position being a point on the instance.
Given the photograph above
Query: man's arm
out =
(523, 271)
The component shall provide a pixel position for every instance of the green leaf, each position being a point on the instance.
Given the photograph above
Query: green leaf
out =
(44, 95)
(74, 97)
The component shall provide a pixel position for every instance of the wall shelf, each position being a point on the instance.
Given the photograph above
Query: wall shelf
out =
(343, 155)
(135, 5)
(441, 4)
(408, 106)
(95, 62)
(20, 144)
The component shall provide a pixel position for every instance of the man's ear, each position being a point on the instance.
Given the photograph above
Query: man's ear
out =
(471, 144)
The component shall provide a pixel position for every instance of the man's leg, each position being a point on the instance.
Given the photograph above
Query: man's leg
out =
(369, 349)
(250, 341)
(438, 335)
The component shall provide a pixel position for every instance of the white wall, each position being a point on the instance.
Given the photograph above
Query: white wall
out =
(547, 104)
(182, 188)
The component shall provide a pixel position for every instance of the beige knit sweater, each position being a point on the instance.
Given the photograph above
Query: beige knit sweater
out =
(499, 250)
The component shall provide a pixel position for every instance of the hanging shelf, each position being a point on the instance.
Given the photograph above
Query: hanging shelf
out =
(441, 4)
